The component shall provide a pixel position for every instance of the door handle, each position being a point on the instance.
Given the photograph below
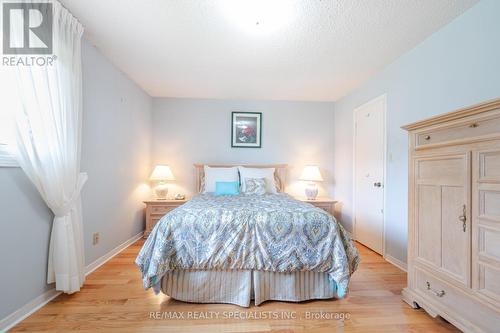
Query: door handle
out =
(463, 218)
(377, 184)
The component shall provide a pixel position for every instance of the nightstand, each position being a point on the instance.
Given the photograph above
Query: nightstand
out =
(156, 209)
(326, 204)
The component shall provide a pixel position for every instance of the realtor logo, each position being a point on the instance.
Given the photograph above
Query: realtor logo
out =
(27, 28)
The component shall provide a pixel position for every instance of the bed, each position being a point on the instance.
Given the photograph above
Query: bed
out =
(235, 249)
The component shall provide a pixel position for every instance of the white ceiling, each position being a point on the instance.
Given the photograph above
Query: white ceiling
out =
(309, 50)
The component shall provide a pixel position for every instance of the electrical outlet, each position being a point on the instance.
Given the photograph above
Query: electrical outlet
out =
(95, 238)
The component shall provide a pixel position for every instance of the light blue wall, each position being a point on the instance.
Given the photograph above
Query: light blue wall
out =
(115, 154)
(189, 130)
(456, 67)
(25, 223)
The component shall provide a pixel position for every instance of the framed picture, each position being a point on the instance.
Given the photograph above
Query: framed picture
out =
(246, 129)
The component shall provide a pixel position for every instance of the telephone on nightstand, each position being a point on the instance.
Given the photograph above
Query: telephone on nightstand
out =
(179, 196)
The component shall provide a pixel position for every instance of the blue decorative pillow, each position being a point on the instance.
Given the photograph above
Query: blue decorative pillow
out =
(227, 188)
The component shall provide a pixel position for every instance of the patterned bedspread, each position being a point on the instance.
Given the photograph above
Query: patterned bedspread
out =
(271, 232)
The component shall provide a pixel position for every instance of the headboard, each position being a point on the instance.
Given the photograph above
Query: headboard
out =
(279, 172)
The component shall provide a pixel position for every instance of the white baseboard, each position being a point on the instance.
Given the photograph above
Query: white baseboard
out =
(26, 310)
(20, 314)
(102, 260)
(396, 262)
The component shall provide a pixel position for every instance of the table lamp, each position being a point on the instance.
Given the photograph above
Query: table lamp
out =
(161, 174)
(312, 175)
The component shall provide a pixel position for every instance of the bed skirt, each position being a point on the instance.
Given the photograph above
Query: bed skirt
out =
(240, 287)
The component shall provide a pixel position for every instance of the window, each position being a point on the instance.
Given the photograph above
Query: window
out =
(9, 102)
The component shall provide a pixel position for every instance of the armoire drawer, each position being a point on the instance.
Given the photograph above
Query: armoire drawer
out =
(456, 303)
(438, 290)
(462, 132)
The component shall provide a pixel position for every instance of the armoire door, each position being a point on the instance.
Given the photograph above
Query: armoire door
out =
(442, 195)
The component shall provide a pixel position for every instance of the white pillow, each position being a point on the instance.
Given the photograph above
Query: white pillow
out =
(213, 175)
(267, 173)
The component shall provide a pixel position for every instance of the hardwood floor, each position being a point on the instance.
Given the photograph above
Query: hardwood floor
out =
(113, 300)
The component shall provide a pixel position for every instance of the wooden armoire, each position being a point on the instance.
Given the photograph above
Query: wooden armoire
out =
(454, 217)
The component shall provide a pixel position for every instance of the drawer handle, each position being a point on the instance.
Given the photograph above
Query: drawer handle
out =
(473, 125)
(440, 293)
(427, 137)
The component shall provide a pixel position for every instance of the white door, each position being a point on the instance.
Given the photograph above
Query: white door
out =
(369, 143)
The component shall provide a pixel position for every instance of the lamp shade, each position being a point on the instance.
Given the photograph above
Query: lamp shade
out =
(311, 173)
(162, 172)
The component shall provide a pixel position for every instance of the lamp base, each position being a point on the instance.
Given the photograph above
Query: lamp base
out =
(161, 191)
(311, 191)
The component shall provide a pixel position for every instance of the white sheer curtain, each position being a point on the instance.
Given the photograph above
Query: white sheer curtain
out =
(48, 145)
